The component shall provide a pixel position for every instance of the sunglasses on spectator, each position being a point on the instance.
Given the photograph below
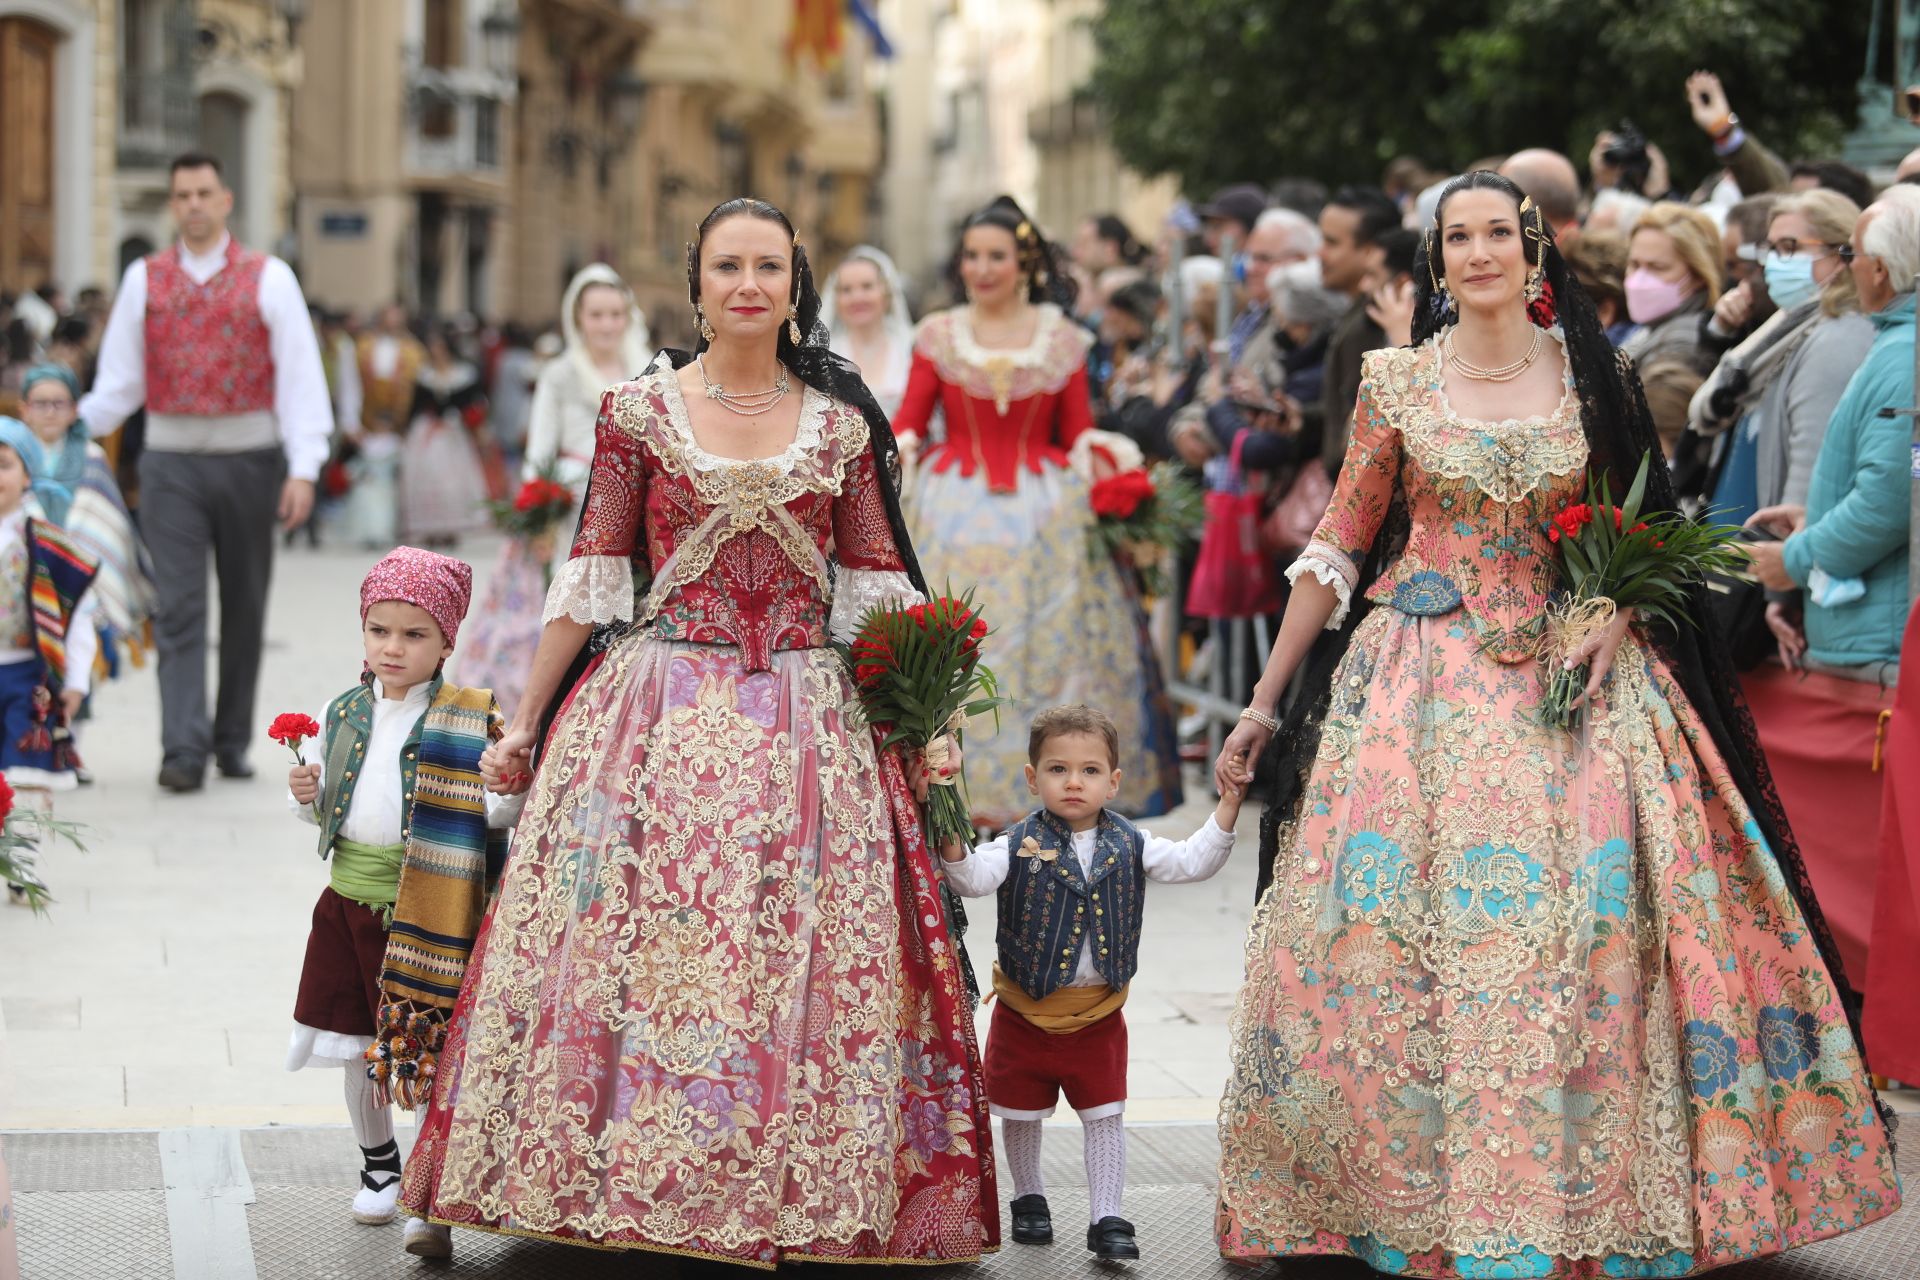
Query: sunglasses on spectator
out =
(50, 406)
(1791, 248)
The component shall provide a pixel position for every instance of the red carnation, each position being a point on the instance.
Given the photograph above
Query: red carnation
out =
(1119, 497)
(6, 800)
(474, 414)
(290, 729)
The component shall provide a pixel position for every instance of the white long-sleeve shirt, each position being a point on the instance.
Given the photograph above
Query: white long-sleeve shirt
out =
(301, 406)
(1197, 857)
(83, 638)
(377, 813)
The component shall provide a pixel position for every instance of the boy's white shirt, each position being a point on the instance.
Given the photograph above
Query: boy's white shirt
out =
(83, 639)
(377, 813)
(1197, 857)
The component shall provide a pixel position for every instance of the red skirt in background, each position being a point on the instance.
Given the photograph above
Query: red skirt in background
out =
(1818, 732)
(1232, 576)
(1892, 1023)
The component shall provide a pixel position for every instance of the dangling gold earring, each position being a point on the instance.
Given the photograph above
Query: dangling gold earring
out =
(793, 324)
(1533, 289)
(706, 330)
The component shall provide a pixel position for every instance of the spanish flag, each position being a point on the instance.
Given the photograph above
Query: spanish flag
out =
(818, 27)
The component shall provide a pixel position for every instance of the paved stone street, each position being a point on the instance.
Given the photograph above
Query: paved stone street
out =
(154, 1131)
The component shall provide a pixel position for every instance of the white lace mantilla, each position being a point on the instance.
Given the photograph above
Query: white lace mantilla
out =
(592, 589)
(858, 590)
(1334, 568)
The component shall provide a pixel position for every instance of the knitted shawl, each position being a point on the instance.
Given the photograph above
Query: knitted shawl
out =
(451, 856)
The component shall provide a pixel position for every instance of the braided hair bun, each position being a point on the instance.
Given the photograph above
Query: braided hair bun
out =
(1042, 262)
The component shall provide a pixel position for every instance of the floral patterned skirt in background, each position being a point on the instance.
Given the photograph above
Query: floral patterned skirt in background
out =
(1066, 628)
(1521, 1004)
(715, 1010)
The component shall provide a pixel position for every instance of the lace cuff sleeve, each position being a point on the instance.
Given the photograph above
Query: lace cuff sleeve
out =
(1332, 567)
(858, 590)
(594, 589)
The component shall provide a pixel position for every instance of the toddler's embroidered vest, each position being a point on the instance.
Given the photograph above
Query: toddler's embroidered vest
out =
(1049, 907)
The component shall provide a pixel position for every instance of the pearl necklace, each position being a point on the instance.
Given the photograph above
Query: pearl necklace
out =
(1505, 373)
(747, 404)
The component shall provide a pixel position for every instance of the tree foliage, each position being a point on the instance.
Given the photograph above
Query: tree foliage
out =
(1218, 91)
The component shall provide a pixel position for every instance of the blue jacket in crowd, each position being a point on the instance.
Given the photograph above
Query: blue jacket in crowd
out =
(1858, 502)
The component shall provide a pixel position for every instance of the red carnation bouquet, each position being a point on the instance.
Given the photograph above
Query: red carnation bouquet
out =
(1615, 557)
(917, 671)
(1142, 516)
(541, 503)
(22, 832)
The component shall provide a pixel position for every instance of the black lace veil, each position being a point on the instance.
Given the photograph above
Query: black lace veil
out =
(1619, 432)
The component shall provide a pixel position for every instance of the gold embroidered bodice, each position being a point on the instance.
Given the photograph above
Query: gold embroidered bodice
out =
(1479, 495)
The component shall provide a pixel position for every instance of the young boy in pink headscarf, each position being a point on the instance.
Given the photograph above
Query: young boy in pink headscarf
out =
(414, 840)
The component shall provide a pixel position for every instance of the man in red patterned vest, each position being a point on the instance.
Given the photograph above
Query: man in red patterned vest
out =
(216, 341)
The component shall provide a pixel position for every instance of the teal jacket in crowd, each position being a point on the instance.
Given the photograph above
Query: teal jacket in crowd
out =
(1857, 504)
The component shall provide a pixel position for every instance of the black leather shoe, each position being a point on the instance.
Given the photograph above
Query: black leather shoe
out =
(1032, 1220)
(181, 778)
(1112, 1238)
(235, 767)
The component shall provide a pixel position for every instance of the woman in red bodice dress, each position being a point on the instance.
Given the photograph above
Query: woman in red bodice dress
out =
(716, 1010)
(999, 505)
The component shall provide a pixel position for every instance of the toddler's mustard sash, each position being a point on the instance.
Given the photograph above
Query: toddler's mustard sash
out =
(1067, 1010)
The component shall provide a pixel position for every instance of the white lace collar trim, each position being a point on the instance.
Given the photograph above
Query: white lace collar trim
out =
(1036, 353)
(814, 404)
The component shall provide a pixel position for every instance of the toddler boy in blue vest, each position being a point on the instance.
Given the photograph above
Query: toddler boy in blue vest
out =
(1071, 876)
(400, 732)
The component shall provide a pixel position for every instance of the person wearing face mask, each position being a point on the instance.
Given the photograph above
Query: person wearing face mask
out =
(1845, 551)
(1673, 275)
(1770, 398)
(1673, 283)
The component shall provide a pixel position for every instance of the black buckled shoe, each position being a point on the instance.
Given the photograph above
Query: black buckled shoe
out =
(1112, 1239)
(180, 778)
(1032, 1220)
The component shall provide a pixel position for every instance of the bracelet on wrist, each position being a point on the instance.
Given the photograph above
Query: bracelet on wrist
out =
(1270, 723)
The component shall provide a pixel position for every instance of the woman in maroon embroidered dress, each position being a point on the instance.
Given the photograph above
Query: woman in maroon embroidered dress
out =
(716, 1010)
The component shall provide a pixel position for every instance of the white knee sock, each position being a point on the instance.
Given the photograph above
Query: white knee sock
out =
(1021, 1139)
(1106, 1140)
(372, 1129)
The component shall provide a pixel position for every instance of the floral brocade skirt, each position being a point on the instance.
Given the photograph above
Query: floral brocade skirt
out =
(714, 1010)
(497, 645)
(1066, 628)
(1526, 1003)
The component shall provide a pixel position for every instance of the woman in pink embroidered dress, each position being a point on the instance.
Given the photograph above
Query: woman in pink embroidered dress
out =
(1520, 1001)
(999, 505)
(716, 1010)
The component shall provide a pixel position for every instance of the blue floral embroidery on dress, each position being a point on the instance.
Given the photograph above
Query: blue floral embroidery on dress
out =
(1789, 1041)
(1527, 1264)
(1379, 1256)
(1485, 877)
(1426, 594)
(1677, 1263)
(1611, 866)
(1713, 1058)
(1372, 870)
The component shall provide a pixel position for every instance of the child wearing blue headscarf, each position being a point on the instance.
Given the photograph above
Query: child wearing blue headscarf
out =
(91, 512)
(47, 637)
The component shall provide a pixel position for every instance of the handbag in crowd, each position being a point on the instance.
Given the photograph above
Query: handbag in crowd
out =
(1737, 610)
(1287, 529)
